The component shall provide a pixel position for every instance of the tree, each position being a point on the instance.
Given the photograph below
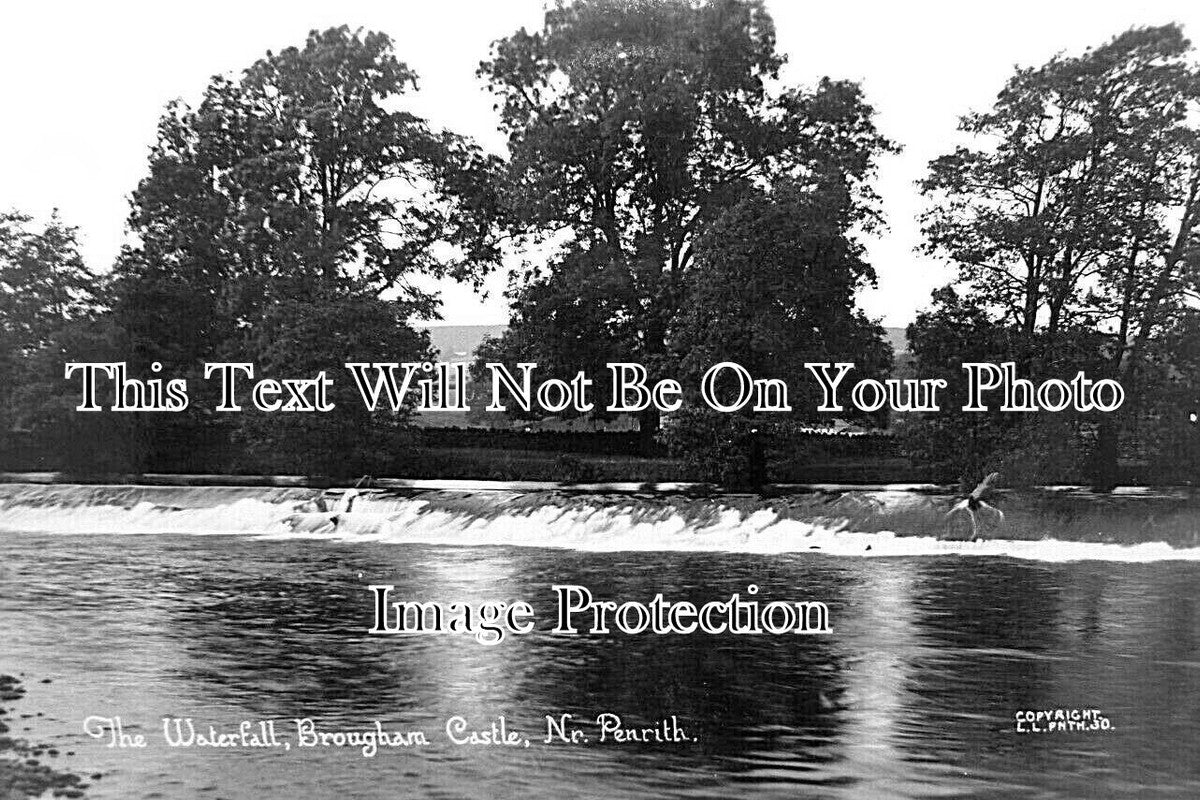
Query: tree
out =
(573, 316)
(773, 286)
(43, 280)
(632, 127)
(44, 285)
(301, 180)
(303, 339)
(1078, 211)
(967, 445)
(301, 183)
(51, 312)
(1145, 283)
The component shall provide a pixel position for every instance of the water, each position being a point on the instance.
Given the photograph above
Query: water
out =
(935, 648)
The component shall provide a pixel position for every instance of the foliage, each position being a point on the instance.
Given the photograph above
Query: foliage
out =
(1073, 224)
(47, 304)
(1166, 435)
(1080, 160)
(1026, 448)
(569, 468)
(632, 128)
(300, 339)
(725, 449)
(574, 317)
(43, 281)
(275, 217)
(300, 181)
(774, 287)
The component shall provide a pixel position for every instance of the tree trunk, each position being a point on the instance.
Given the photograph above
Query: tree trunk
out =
(649, 423)
(1105, 468)
(1131, 348)
(758, 462)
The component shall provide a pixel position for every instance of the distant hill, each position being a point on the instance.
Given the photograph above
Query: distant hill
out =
(459, 342)
(903, 365)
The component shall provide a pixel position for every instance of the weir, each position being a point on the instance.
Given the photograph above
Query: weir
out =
(1049, 525)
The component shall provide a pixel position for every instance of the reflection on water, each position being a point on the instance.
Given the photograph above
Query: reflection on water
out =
(913, 695)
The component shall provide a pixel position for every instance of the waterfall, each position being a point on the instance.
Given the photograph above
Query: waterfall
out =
(861, 522)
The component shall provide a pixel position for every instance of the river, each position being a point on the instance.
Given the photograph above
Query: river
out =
(198, 604)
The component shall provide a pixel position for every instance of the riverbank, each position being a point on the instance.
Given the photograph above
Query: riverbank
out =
(22, 771)
(613, 487)
(689, 488)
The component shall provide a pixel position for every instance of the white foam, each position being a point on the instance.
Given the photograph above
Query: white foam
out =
(632, 525)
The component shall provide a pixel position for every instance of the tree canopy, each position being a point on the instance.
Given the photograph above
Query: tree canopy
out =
(1075, 218)
(44, 286)
(303, 179)
(633, 129)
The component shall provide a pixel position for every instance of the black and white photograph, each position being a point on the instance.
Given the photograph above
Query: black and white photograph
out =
(599, 399)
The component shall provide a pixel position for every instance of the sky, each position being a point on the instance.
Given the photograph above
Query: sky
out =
(85, 84)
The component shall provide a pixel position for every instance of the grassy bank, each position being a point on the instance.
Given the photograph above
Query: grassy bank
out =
(533, 465)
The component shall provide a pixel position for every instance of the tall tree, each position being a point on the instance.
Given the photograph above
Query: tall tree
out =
(1155, 265)
(632, 127)
(1078, 210)
(299, 190)
(774, 286)
(300, 180)
(51, 312)
(43, 280)
(44, 285)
